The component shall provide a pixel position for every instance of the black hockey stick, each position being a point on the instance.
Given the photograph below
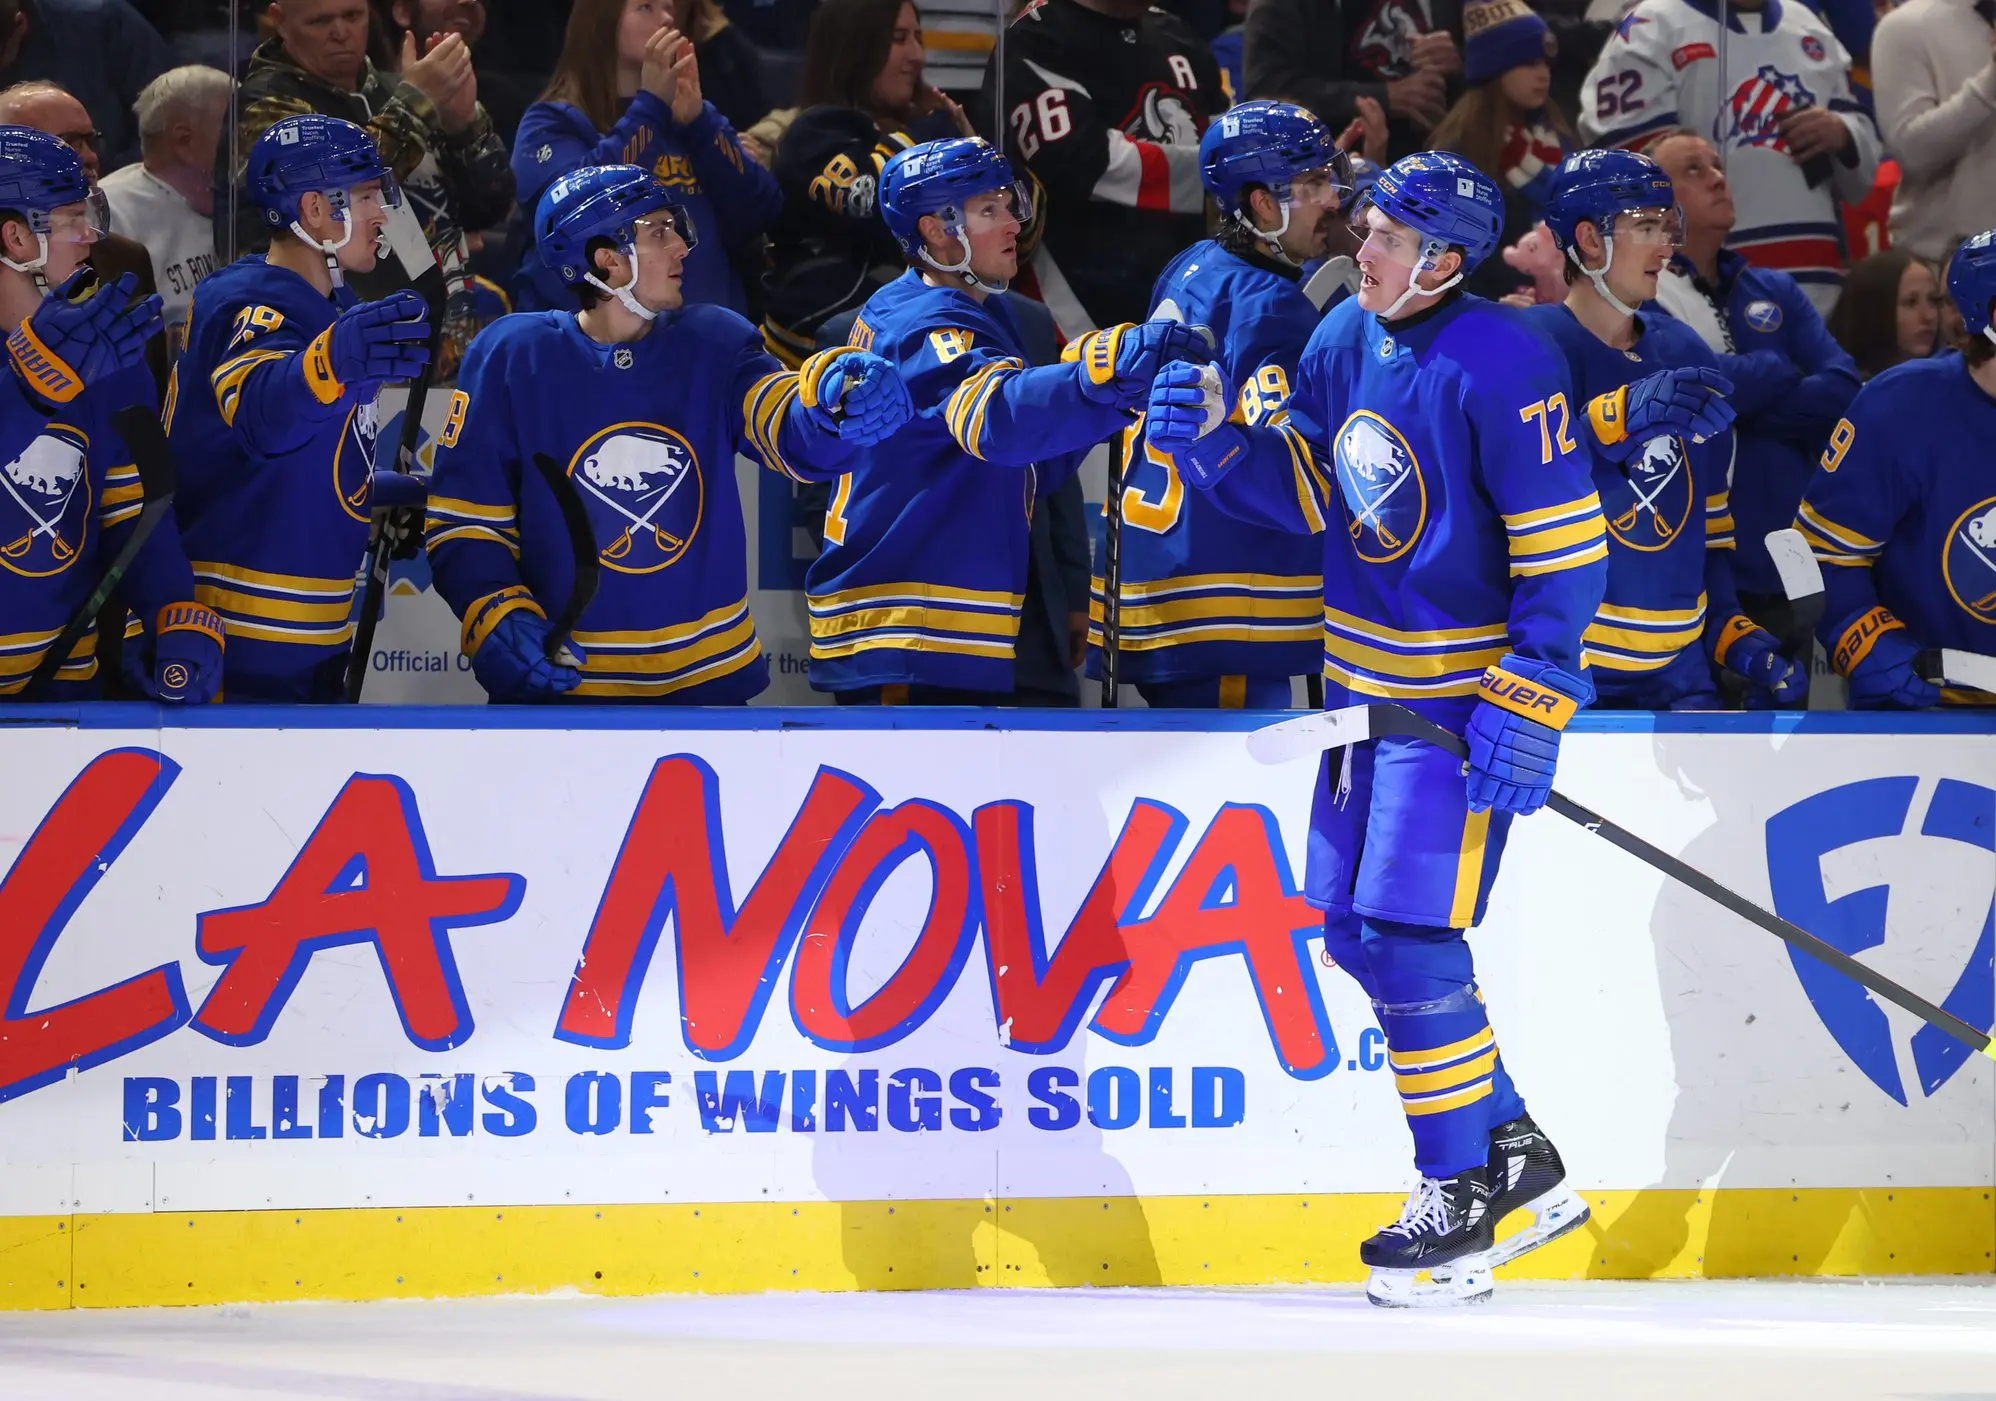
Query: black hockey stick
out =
(159, 479)
(430, 286)
(1112, 562)
(1311, 734)
(582, 546)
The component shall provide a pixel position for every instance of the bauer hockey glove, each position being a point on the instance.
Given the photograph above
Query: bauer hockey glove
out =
(1513, 734)
(512, 662)
(1690, 402)
(1186, 420)
(860, 397)
(1118, 363)
(369, 345)
(1877, 656)
(181, 662)
(79, 335)
(1752, 653)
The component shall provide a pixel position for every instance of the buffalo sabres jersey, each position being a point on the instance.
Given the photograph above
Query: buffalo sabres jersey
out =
(1670, 529)
(69, 497)
(648, 433)
(1902, 514)
(926, 542)
(274, 457)
(1439, 459)
(1660, 69)
(1204, 594)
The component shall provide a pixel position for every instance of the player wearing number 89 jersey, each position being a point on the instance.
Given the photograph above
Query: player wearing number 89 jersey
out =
(1215, 611)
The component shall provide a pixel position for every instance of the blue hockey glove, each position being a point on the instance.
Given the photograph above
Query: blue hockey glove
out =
(1186, 419)
(1119, 362)
(1753, 653)
(390, 490)
(861, 397)
(181, 663)
(1513, 735)
(1690, 402)
(79, 335)
(1877, 656)
(369, 345)
(512, 664)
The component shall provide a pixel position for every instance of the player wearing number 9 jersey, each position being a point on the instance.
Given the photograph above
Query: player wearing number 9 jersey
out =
(1431, 442)
(1215, 611)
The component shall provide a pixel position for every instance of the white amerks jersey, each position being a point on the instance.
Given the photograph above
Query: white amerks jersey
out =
(1660, 70)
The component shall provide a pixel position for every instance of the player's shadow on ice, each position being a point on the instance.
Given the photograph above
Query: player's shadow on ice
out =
(1738, 1061)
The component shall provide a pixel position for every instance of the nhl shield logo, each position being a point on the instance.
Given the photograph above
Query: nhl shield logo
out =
(45, 509)
(643, 487)
(1382, 487)
(622, 357)
(1969, 560)
(1651, 507)
(1871, 865)
(1763, 316)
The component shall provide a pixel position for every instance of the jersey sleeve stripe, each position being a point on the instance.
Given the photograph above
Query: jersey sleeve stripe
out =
(1312, 490)
(1576, 509)
(229, 377)
(1839, 538)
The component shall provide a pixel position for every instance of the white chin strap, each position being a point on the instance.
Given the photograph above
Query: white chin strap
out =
(1414, 289)
(962, 268)
(1989, 330)
(1272, 238)
(34, 269)
(628, 293)
(1599, 277)
(331, 250)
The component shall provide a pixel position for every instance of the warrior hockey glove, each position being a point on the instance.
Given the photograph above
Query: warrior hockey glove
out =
(512, 664)
(1513, 735)
(1689, 401)
(181, 663)
(81, 334)
(1186, 420)
(860, 397)
(1753, 653)
(1119, 363)
(1877, 656)
(369, 345)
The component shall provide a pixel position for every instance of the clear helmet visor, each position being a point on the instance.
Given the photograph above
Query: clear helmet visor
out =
(80, 223)
(655, 231)
(990, 209)
(1381, 236)
(1317, 191)
(1647, 228)
(372, 199)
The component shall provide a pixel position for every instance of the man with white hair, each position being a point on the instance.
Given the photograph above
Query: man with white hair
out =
(167, 201)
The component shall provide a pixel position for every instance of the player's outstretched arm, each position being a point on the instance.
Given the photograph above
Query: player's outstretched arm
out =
(277, 388)
(810, 422)
(1268, 474)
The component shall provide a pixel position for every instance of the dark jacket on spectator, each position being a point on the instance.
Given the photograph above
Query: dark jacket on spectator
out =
(731, 73)
(1326, 54)
(103, 53)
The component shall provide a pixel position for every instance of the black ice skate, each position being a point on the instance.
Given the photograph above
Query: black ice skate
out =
(1527, 1175)
(1444, 1232)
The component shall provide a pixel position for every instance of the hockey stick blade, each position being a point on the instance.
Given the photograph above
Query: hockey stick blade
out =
(159, 479)
(582, 546)
(1307, 736)
(1953, 667)
(1402, 721)
(1801, 576)
(1336, 274)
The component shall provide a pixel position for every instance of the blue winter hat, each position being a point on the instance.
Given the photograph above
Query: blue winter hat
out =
(1499, 35)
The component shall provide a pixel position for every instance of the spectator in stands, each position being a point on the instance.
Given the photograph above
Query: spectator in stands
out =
(627, 91)
(101, 51)
(864, 96)
(1933, 73)
(503, 95)
(429, 125)
(730, 63)
(1325, 54)
(167, 201)
(1890, 311)
(1791, 380)
(1506, 123)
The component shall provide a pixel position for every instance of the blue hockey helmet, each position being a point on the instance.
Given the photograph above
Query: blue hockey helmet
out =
(1445, 199)
(314, 154)
(601, 201)
(39, 174)
(937, 177)
(1971, 281)
(1269, 144)
(1594, 186)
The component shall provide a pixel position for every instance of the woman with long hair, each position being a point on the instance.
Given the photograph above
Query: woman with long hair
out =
(627, 92)
(1890, 311)
(864, 98)
(1507, 124)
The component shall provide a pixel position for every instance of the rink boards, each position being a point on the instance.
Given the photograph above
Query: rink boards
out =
(438, 1001)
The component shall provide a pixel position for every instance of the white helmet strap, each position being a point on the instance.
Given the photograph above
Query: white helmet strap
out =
(627, 294)
(1599, 276)
(1431, 252)
(953, 226)
(330, 250)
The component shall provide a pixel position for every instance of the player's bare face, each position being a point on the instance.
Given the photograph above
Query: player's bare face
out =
(1644, 241)
(991, 221)
(71, 232)
(661, 262)
(1313, 216)
(367, 211)
(1386, 260)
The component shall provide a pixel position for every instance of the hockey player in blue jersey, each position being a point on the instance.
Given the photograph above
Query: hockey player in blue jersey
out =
(1430, 440)
(1214, 611)
(1902, 511)
(1671, 613)
(272, 415)
(916, 596)
(70, 495)
(644, 403)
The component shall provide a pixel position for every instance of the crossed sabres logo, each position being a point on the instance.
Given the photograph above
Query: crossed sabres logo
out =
(1968, 560)
(1382, 486)
(45, 512)
(645, 494)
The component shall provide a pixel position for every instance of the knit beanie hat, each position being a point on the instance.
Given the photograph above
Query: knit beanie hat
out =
(1499, 35)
